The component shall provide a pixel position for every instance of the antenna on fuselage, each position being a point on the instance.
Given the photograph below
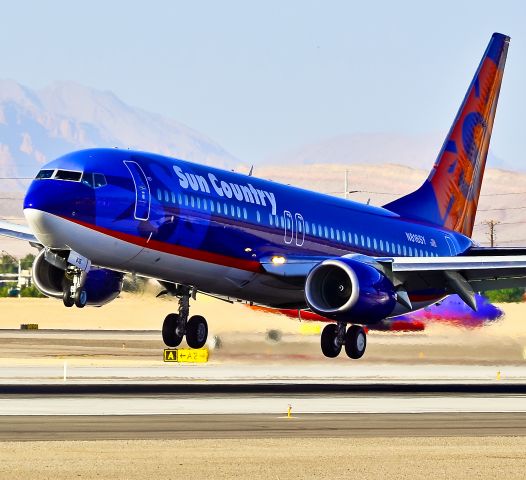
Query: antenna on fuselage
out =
(251, 170)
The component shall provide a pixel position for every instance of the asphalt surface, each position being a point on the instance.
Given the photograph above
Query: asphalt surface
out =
(296, 388)
(31, 428)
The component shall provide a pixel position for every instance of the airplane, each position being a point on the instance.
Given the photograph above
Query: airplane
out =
(99, 213)
(452, 310)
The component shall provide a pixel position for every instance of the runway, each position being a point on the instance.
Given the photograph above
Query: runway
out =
(268, 399)
(178, 427)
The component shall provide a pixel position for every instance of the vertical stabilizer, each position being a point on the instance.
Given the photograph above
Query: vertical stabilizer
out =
(450, 195)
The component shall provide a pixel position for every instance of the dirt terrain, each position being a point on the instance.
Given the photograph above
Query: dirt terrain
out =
(275, 458)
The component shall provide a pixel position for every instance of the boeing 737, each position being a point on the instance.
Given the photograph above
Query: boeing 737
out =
(97, 214)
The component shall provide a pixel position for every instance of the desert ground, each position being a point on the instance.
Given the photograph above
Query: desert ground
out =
(275, 458)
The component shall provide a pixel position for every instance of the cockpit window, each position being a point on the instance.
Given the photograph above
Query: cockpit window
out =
(99, 180)
(68, 175)
(44, 174)
(87, 179)
(94, 180)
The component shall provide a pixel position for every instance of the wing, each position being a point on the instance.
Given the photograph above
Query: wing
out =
(479, 270)
(20, 232)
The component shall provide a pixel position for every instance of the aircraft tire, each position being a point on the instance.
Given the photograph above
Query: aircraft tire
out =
(67, 298)
(169, 331)
(355, 342)
(196, 331)
(80, 298)
(328, 341)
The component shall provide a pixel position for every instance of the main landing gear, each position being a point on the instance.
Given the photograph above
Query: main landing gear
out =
(334, 337)
(74, 292)
(177, 325)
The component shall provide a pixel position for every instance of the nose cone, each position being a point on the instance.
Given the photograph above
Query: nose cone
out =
(49, 229)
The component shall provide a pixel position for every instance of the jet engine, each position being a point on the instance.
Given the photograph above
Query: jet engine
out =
(102, 285)
(347, 289)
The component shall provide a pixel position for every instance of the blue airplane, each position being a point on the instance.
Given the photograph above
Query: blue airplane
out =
(96, 214)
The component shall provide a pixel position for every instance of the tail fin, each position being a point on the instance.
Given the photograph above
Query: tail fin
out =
(450, 195)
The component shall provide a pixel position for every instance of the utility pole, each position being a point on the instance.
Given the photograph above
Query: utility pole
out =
(491, 233)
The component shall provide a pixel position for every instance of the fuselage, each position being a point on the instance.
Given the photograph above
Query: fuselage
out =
(197, 225)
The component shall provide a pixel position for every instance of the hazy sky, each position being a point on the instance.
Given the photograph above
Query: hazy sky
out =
(263, 77)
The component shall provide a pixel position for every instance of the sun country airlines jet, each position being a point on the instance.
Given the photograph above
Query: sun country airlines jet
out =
(96, 214)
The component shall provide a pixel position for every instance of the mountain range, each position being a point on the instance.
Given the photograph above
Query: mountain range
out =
(37, 126)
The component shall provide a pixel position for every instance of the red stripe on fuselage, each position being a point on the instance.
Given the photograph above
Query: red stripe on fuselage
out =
(186, 252)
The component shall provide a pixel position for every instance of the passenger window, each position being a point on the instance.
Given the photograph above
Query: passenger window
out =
(320, 231)
(232, 211)
(159, 194)
(356, 239)
(374, 244)
(173, 197)
(212, 206)
(179, 199)
(344, 238)
(225, 209)
(421, 253)
(411, 252)
(387, 247)
(238, 212)
(192, 201)
(332, 233)
(245, 214)
(307, 228)
(399, 249)
(186, 200)
(368, 242)
(166, 197)
(205, 204)
(258, 216)
(326, 231)
(218, 208)
(270, 217)
(198, 203)
(363, 240)
(337, 235)
(405, 251)
(382, 245)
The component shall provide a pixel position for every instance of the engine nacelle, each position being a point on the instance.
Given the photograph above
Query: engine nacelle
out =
(346, 289)
(102, 285)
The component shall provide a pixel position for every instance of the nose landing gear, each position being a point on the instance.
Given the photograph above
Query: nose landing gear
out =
(74, 293)
(178, 325)
(334, 336)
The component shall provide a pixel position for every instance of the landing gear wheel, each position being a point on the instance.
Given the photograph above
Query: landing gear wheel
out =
(196, 331)
(67, 298)
(355, 342)
(329, 345)
(171, 337)
(80, 298)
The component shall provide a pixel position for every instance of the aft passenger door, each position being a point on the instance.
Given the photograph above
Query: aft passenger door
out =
(142, 190)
